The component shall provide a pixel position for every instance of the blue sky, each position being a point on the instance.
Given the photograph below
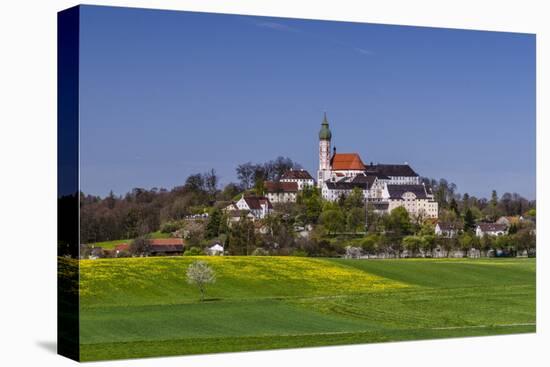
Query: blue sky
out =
(166, 94)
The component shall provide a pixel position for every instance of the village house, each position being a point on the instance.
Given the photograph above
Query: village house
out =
(447, 229)
(491, 229)
(281, 192)
(215, 250)
(157, 247)
(508, 221)
(300, 176)
(166, 246)
(257, 206)
(234, 214)
(333, 189)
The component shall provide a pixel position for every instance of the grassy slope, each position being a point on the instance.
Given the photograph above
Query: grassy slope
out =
(108, 245)
(143, 307)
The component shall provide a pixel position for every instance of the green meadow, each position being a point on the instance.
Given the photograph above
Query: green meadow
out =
(143, 307)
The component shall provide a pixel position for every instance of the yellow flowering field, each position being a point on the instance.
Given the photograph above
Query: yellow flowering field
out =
(161, 280)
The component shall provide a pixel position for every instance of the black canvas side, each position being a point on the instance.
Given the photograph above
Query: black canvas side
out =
(68, 183)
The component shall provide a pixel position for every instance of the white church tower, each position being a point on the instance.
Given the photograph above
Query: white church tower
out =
(325, 135)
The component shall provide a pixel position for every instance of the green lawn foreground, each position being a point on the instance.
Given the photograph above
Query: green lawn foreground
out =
(142, 307)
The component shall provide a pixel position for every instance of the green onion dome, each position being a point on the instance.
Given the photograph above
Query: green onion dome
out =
(324, 133)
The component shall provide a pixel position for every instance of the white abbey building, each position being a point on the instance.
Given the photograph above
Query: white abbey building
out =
(385, 186)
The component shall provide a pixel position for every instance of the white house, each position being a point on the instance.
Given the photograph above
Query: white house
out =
(258, 206)
(448, 230)
(215, 250)
(332, 189)
(491, 229)
(299, 176)
(281, 192)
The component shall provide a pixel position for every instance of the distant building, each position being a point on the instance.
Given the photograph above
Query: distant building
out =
(300, 176)
(121, 248)
(281, 192)
(96, 252)
(257, 206)
(166, 246)
(215, 250)
(333, 188)
(448, 230)
(234, 214)
(157, 247)
(491, 229)
(414, 198)
(384, 186)
(508, 221)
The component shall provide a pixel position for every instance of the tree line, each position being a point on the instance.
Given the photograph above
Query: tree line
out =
(330, 226)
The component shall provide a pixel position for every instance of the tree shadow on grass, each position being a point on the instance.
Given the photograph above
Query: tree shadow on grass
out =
(211, 300)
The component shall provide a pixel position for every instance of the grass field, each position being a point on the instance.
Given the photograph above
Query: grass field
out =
(109, 245)
(142, 307)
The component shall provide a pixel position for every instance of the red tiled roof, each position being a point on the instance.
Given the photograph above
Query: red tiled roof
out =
(281, 186)
(255, 202)
(295, 174)
(122, 247)
(448, 226)
(346, 161)
(166, 241)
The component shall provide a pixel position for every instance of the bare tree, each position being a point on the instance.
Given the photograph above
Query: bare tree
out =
(211, 182)
(141, 246)
(200, 274)
(246, 174)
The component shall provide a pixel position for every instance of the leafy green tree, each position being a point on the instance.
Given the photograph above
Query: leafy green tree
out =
(398, 223)
(412, 244)
(469, 221)
(446, 244)
(214, 223)
(333, 220)
(355, 199)
(224, 224)
(369, 244)
(465, 240)
(428, 243)
(242, 237)
(310, 204)
(193, 251)
(524, 240)
(486, 243)
(355, 219)
(504, 242)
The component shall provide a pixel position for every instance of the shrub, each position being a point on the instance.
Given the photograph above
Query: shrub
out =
(193, 251)
(170, 226)
(260, 252)
(299, 253)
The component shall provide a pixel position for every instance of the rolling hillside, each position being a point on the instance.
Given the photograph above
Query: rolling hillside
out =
(138, 307)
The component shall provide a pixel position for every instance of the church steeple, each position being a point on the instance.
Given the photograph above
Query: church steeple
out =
(324, 152)
(324, 133)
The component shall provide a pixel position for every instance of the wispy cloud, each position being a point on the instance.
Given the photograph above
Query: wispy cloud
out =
(277, 26)
(363, 51)
(281, 27)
